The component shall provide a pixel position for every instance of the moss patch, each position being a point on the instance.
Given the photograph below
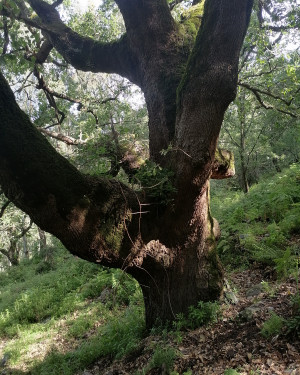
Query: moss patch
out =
(191, 20)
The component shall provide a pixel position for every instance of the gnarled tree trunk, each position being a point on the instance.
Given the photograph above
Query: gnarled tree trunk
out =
(188, 85)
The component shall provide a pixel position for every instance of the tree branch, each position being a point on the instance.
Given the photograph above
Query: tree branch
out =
(257, 93)
(4, 207)
(278, 29)
(213, 66)
(82, 52)
(41, 56)
(24, 231)
(43, 52)
(140, 14)
(173, 4)
(259, 13)
(267, 7)
(254, 145)
(230, 136)
(57, 3)
(5, 252)
(91, 216)
(60, 116)
(6, 36)
(61, 137)
(261, 73)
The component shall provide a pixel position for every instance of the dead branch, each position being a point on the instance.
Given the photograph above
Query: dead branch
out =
(61, 137)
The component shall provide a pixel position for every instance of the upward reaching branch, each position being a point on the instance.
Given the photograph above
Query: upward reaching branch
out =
(211, 72)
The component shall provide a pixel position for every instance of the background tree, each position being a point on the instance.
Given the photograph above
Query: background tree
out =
(188, 77)
(13, 227)
(262, 125)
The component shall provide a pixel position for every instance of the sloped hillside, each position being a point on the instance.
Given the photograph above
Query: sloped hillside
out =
(61, 315)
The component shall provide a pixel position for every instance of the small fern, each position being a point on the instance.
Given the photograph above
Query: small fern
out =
(272, 326)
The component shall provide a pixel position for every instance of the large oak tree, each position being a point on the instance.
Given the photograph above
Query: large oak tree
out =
(169, 246)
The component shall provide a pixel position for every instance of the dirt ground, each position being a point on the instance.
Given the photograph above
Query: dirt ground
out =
(235, 342)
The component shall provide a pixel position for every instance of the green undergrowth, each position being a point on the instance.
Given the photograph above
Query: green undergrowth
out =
(203, 314)
(162, 359)
(58, 318)
(277, 325)
(231, 371)
(262, 225)
(273, 326)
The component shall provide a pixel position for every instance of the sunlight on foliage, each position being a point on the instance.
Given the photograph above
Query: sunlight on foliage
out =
(258, 226)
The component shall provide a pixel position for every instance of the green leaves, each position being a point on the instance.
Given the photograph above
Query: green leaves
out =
(156, 182)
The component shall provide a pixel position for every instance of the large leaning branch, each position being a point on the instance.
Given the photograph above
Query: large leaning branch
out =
(85, 213)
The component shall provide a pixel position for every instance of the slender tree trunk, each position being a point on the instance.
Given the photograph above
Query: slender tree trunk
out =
(244, 174)
(276, 164)
(242, 148)
(25, 247)
(24, 241)
(43, 239)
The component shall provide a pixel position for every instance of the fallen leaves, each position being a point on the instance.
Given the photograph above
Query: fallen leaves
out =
(233, 342)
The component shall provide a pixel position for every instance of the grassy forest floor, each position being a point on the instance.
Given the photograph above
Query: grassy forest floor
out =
(60, 315)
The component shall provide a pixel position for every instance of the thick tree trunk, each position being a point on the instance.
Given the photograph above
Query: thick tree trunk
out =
(193, 273)
(170, 249)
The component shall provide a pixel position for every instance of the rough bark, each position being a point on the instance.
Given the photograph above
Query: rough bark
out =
(170, 249)
(57, 197)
